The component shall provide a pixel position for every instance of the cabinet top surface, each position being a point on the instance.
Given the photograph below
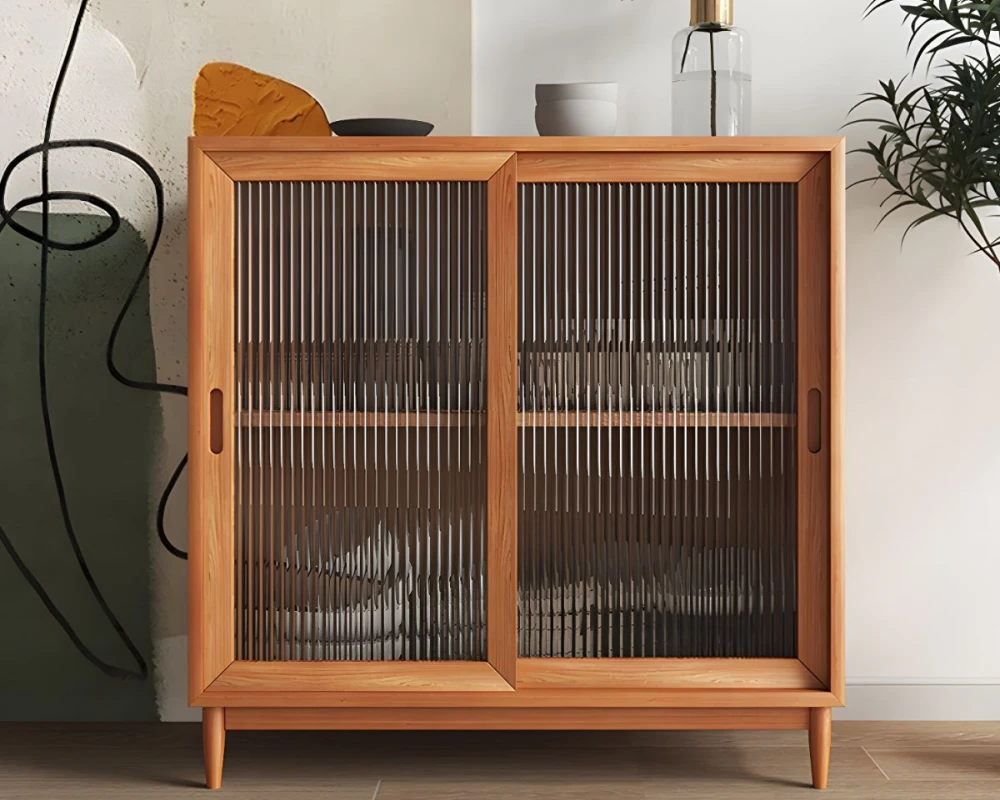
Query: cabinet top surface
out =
(524, 144)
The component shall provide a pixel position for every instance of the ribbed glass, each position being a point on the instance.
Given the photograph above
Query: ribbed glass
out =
(360, 463)
(658, 417)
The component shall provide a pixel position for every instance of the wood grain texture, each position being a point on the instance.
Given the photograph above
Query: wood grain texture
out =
(298, 689)
(838, 361)
(820, 738)
(669, 167)
(647, 419)
(910, 735)
(517, 719)
(664, 673)
(813, 372)
(292, 677)
(501, 421)
(210, 366)
(964, 768)
(213, 732)
(526, 144)
(280, 165)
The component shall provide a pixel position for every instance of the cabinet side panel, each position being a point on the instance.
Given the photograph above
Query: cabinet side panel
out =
(838, 231)
(814, 402)
(502, 422)
(210, 360)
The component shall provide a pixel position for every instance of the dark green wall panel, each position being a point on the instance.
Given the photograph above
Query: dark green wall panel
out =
(107, 438)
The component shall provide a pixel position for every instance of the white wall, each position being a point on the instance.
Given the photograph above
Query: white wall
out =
(371, 58)
(923, 436)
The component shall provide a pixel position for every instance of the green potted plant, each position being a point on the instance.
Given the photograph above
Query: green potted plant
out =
(939, 152)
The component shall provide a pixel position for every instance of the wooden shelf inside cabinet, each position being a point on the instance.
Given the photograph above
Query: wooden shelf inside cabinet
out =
(646, 419)
(370, 419)
(537, 419)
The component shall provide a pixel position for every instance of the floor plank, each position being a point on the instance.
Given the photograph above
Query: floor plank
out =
(870, 761)
(969, 762)
(753, 771)
(569, 788)
(916, 734)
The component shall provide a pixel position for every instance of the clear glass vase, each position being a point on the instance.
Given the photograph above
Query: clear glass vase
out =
(711, 86)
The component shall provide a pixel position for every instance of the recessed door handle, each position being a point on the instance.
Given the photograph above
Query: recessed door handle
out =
(814, 431)
(215, 421)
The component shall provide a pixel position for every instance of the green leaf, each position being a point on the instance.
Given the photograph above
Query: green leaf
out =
(920, 221)
(875, 5)
(939, 140)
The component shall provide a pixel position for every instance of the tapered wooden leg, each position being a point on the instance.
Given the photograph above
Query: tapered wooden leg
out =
(820, 737)
(213, 731)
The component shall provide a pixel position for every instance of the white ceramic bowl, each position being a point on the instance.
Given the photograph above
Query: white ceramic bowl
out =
(576, 118)
(554, 92)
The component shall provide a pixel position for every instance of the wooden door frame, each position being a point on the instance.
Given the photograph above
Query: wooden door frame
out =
(817, 168)
(213, 667)
(820, 368)
(501, 422)
(211, 568)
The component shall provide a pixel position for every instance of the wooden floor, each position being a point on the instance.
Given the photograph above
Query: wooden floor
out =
(917, 761)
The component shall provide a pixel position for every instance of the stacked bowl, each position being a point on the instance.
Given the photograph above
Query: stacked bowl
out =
(576, 109)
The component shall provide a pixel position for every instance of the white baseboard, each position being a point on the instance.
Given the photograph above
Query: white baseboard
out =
(961, 700)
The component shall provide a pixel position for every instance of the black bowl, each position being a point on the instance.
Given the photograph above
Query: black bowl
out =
(381, 127)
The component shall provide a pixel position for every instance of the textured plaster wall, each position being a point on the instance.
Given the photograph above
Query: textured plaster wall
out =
(130, 82)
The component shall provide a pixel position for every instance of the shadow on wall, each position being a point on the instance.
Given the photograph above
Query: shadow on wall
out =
(107, 438)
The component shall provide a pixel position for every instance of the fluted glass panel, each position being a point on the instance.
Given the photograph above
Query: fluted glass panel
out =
(360, 463)
(658, 420)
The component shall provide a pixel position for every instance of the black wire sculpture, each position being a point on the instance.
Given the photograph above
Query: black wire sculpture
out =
(47, 243)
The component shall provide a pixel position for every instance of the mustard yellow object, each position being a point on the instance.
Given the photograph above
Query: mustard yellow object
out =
(232, 100)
